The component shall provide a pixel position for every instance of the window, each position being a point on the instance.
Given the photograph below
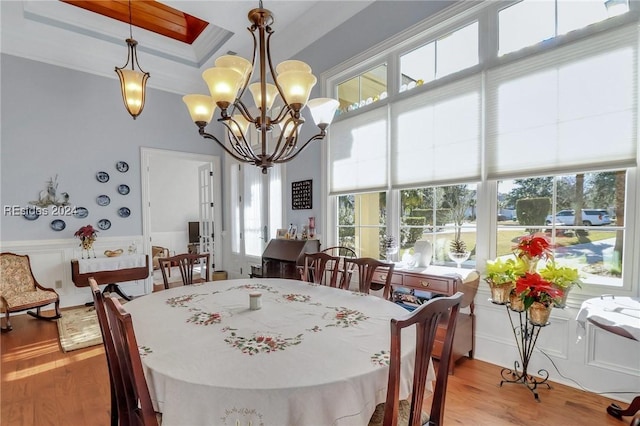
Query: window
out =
(550, 135)
(438, 215)
(363, 89)
(531, 21)
(593, 242)
(448, 54)
(362, 223)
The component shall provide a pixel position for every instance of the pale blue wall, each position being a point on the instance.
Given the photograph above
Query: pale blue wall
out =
(56, 121)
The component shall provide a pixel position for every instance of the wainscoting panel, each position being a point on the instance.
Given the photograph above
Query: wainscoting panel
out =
(599, 362)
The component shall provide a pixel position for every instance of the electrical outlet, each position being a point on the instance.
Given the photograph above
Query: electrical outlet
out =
(58, 283)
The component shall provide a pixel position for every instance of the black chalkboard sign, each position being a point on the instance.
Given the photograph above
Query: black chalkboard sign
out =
(301, 195)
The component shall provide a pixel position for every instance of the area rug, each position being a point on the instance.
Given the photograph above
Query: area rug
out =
(78, 328)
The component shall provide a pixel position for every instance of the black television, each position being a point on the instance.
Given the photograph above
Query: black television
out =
(194, 232)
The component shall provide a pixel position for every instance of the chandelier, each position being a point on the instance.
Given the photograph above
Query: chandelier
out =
(132, 82)
(277, 128)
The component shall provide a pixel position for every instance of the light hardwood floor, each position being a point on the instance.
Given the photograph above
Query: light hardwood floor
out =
(41, 385)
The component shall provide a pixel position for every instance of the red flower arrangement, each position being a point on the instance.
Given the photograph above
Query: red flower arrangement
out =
(87, 235)
(533, 247)
(86, 232)
(533, 288)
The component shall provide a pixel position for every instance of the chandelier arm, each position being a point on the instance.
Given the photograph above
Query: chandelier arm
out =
(273, 75)
(244, 111)
(224, 146)
(278, 151)
(242, 148)
(319, 136)
(282, 114)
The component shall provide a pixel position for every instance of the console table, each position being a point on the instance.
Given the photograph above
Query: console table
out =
(110, 271)
(445, 281)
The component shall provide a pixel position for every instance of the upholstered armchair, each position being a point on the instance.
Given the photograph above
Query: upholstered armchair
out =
(20, 291)
(156, 253)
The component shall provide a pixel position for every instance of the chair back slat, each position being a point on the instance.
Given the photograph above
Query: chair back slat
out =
(367, 268)
(118, 405)
(345, 271)
(321, 268)
(137, 398)
(186, 262)
(425, 319)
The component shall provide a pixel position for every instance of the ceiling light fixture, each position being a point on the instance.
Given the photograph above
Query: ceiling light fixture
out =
(133, 83)
(227, 82)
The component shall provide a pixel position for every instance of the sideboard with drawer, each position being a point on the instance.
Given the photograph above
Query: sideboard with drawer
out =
(441, 281)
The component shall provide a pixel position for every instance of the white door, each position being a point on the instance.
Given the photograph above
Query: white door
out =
(256, 214)
(207, 208)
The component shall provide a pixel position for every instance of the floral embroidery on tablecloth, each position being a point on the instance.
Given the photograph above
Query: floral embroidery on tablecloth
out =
(181, 301)
(262, 342)
(255, 287)
(357, 293)
(204, 318)
(315, 329)
(346, 317)
(144, 350)
(380, 358)
(294, 297)
(227, 328)
(242, 417)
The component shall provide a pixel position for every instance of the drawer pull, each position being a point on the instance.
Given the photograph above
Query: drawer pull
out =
(382, 277)
(425, 283)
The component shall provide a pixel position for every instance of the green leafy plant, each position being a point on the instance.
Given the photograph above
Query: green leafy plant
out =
(500, 272)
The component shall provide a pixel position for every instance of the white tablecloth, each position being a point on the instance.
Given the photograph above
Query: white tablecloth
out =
(117, 263)
(615, 312)
(313, 355)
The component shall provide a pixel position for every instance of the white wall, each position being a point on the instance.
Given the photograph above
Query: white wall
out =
(173, 193)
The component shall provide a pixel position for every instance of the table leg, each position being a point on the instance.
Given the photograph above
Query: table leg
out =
(616, 411)
(114, 288)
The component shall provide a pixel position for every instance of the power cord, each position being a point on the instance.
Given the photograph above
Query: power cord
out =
(575, 381)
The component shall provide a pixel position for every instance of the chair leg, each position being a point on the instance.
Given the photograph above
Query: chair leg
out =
(7, 327)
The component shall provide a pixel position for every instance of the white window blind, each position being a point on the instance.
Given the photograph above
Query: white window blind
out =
(436, 136)
(564, 110)
(358, 153)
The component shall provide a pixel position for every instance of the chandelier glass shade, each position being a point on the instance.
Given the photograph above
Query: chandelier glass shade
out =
(277, 128)
(133, 82)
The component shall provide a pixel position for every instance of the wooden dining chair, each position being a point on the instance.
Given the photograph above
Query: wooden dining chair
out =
(425, 319)
(110, 352)
(321, 268)
(370, 269)
(136, 402)
(187, 263)
(345, 272)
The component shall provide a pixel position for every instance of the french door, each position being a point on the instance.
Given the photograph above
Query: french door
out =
(256, 214)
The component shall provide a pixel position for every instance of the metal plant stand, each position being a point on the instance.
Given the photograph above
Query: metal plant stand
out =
(526, 335)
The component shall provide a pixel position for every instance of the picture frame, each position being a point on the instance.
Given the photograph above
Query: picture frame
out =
(302, 195)
(281, 233)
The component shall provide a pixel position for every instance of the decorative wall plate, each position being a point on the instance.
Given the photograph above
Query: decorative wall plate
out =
(102, 177)
(104, 224)
(122, 167)
(58, 225)
(31, 213)
(124, 212)
(81, 212)
(123, 189)
(103, 200)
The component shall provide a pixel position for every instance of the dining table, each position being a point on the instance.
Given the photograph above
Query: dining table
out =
(268, 351)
